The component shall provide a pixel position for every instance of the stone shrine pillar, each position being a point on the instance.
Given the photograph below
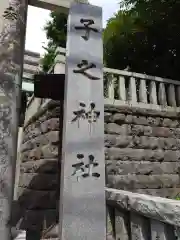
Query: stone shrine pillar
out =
(11, 62)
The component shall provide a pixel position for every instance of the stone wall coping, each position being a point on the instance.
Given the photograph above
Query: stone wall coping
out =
(161, 209)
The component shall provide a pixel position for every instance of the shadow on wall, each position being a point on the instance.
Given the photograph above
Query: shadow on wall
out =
(37, 211)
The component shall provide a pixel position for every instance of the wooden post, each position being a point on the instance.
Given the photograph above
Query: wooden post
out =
(82, 195)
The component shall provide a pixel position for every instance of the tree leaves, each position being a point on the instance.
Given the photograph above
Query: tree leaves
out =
(56, 31)
(145, 36)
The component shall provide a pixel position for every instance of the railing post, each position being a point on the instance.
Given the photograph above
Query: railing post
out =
(162, 95)
(143, 91)
(122, 88)
(160, 230)
(178, 95)
(153, 93)
(121, 225)
(132, 90)
(111, 87)
(171, 95)
(110, 222)
(139, 227)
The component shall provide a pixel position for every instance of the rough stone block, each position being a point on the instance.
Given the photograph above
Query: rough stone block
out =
(113, 128)
(172, 156)
(33, 154)
(141, 168)
(134, 154)
(145, 142)
(176, 132)
(129, 119)
(49, 151)
(137, 130)
(107, 117)
(40, 166)
(123, 141)
(44, 127)
(140, 120)
(167, 122)
(38, 181)
(50, 137)
(118, 118)
(161, 132)
(152, 121)
(109, 140)
(43, 152)
(168, 143)
(143, 181)
(50, 125)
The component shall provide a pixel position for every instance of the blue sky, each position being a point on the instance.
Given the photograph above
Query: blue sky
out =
(35, 36)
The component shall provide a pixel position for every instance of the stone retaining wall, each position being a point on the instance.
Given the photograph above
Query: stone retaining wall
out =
(38, 193)
(142, 152)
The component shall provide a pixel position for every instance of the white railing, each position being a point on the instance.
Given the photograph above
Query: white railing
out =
(140, 89)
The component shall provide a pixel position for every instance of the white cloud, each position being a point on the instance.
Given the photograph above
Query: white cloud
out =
(35, 36)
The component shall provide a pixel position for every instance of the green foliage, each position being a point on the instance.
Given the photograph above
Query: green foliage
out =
(56, 31)
(145, 36)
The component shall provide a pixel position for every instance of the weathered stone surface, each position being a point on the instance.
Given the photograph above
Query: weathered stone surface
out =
(50, 137)
(140, 120)
(171, 156)
(40, 166)
(118, 118)
(152, 121)
(31, 199)
(42, 115)
(142, 168)
(161, 209)
(137, 141)
(138, 130)
(49, 125)
(117, 141)
(33, 154)
(141, 142)
(47, 151)
(162, 132)
(107, 117)
(141, 130)
(128, 154)
(113, 128)
(39, 181)
(127, 182)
